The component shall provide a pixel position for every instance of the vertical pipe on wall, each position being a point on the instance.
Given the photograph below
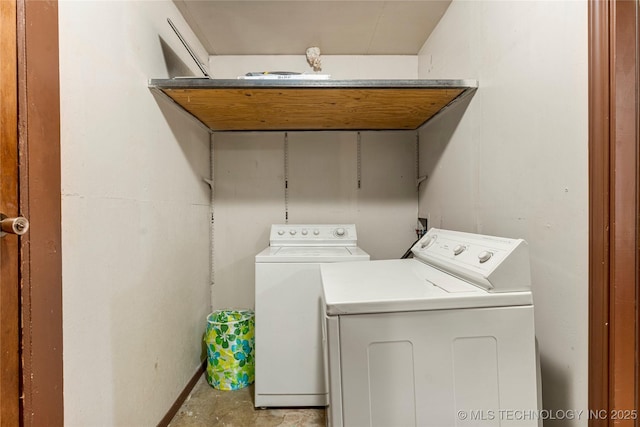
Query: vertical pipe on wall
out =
(212, 270)
(359, 161)
(286, 177)
(417, 161)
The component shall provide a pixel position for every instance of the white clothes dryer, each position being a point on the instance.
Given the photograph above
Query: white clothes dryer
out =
(444, 339)
(289, 369)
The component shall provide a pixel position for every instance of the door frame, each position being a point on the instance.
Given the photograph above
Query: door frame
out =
(614, 178)
(40, 202)
(40, 179)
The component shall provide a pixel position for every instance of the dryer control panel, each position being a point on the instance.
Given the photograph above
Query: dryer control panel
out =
(313, 235)
(496, 264)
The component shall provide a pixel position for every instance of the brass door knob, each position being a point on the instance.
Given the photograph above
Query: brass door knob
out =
(18, 225)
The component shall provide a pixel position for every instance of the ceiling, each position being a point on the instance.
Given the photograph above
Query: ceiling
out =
(242, 27)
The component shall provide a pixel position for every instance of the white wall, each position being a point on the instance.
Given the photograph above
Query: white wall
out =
(135, 228)
(323, 188)
(515, 163)
(249, 178)
(338, 66)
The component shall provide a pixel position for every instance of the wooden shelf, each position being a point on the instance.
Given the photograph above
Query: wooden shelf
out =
(269, 105)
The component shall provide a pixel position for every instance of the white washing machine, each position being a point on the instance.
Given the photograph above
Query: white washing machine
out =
(289, 360)
(444, 339)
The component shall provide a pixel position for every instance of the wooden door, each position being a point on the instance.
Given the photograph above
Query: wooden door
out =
(9, 293)
(30, 266)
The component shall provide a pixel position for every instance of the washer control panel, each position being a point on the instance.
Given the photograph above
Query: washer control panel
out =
(313, 235)
(496, 264)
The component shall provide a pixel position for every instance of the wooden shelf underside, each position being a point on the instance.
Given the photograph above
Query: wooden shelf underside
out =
(230, 105)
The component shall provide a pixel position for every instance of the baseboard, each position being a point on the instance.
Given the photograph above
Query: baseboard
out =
(183, 396)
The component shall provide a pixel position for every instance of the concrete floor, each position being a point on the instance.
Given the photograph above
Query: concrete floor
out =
(207, 406)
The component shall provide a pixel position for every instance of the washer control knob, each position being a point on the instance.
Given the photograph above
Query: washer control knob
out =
(316, 232)
(484, 256)
(459, 249)
(304, 232)
(280, 232)
(292, 232)
(340, 232)
(428, 241)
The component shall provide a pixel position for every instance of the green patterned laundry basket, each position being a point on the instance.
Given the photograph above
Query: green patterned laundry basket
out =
(230, 349)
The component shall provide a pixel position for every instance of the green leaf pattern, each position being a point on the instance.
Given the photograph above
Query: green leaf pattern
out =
(230, 344)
